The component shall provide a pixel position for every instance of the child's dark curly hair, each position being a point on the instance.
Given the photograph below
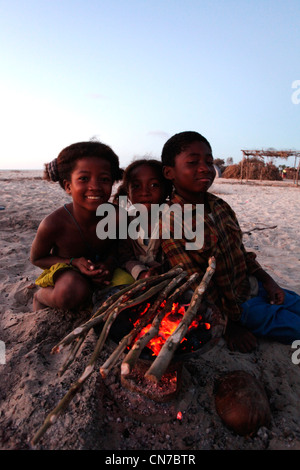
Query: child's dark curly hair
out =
(61, 168)
(177, 144)
(155, 164)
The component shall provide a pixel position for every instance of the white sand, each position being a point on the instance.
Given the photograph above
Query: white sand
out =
(30, 388)
(263, 206)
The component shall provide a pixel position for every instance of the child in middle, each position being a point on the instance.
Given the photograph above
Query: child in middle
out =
(143, 183)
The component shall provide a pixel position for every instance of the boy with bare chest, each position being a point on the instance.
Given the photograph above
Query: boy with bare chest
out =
(66, 245)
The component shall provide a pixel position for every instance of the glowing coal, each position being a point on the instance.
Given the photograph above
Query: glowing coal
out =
(200, 334)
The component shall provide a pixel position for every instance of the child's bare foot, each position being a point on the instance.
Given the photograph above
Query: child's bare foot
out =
(238, 338)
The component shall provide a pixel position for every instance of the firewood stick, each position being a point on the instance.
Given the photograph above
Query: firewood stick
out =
(162, 361)
(132, 289)
(137, 348)
(110, 304)
(98, 317)
(141, 299)
(62, 405)
(78, 339)
(57, 411)
(144, 321)
(64, 402)
(71, 356)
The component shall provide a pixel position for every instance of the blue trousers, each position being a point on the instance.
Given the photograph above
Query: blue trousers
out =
(277, 322)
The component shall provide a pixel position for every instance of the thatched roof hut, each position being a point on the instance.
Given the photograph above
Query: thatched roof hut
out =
(253, 165)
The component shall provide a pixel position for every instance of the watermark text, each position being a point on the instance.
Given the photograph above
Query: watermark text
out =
(296, 354)
(184, 222)
(296, 93)
(2, 353)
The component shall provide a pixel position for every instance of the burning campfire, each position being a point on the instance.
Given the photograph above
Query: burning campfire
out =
(162, 326)
(154, 319)
(148, 344)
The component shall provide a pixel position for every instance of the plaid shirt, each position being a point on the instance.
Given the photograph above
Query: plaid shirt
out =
(230, 285)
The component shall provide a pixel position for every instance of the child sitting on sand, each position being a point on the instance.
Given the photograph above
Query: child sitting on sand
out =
(143, 183)
(66, 245)
(252, 301)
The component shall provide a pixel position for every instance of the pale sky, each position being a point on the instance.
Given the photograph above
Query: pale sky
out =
(135, 72)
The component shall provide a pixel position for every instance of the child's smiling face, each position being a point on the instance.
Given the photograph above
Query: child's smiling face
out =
(193, 172)
(91, 182)
(145, 186)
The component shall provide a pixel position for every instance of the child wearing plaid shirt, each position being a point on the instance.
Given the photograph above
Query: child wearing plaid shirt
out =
(254, 304)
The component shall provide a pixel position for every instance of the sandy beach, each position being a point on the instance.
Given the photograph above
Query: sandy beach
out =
(269, 216)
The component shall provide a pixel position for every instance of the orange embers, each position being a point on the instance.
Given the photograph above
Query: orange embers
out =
(167, 326)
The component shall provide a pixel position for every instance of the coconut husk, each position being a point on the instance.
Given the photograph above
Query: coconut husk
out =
(241, 403)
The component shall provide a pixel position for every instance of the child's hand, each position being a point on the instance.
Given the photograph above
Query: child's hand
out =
(94, 270)
(275, 293)
(150, 272)
(144, 275)
(101, 274)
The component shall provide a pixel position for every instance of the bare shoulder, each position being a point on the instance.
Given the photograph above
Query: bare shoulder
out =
(54, 221)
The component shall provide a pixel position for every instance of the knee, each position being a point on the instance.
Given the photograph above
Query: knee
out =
(72, 295)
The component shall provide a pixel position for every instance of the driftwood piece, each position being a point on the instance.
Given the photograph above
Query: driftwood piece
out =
(165, 356)
(259, 228)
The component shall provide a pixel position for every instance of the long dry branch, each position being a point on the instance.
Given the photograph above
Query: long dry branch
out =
(162, 361)
(137, 348)
(72, 355)
(56, 412)
(144, 321)
(62, 405)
